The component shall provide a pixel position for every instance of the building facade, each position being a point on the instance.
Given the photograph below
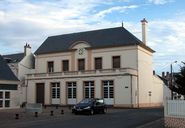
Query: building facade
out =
(109, 63)
(8, 87)
(21, 64)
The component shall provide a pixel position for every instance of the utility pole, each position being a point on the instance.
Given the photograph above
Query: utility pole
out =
(171, 79)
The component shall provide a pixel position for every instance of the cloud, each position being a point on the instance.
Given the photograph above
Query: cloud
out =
(117, 8)
(160, 2)
(33, 21)
(168, 37)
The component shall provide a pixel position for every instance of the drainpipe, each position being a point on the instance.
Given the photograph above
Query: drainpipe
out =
(131, 100)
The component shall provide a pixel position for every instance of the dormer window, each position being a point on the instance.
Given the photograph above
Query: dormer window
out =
(50, 66)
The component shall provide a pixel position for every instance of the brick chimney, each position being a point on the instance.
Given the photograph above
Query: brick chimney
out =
(27, 49)
(144, 23)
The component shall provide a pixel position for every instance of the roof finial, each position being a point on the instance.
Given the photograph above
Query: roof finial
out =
(122, 24)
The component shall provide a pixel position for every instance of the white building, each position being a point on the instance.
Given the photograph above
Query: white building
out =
(21, 64)
(8, 87)
(110, 63)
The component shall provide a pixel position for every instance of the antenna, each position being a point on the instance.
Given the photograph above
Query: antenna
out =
(122, 24)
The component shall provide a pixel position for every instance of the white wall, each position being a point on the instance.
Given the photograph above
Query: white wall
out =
(157, 90)
(145, 73)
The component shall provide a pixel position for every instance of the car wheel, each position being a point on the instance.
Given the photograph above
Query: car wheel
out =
(91, 112)
(103, 111)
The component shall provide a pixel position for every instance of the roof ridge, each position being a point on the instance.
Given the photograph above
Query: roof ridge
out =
(80, 32)
(13, 54)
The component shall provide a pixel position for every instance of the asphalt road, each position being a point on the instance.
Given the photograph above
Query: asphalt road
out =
(114, 118)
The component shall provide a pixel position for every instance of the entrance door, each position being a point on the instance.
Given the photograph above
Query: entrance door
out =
(108, 92)
(55, 93)
(40, 93)
(71, 91)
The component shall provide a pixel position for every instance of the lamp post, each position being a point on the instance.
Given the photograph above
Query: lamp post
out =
(171, 78)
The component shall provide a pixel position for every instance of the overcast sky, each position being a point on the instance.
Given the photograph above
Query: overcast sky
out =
(32, 21)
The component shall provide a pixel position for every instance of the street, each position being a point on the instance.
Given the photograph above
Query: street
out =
(114, 118)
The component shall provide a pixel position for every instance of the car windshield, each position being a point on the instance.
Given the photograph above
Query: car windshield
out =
(86, 101)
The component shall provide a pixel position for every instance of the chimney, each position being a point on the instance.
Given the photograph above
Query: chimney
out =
(153, 72)
(163, 75)
(27, 49)
(144, 32)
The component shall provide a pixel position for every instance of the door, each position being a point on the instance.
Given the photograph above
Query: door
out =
(55, 93)
(71, 93)
(40, 93)
(108, 92)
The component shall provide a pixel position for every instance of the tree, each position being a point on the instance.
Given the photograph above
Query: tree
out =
(179, 79)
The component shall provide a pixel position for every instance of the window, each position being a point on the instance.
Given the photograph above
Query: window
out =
(108, 89)
(7, 95)
(1, 95)
(1, 103)
(81, 64)
(65, 64)
(71, 90)
(1, 99)
(98, 63)
(116, 61)
(89, 89)
(50, 66)
(7, 103)
(55, 90)
(4, 99)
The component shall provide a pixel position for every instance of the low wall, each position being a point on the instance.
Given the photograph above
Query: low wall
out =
(174, 122)
(174, 111)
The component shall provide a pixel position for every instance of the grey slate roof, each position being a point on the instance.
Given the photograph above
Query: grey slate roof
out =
(118, 36)
(5, 71)
(14, 58)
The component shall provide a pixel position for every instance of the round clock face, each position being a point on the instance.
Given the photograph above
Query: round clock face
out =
(81, 51)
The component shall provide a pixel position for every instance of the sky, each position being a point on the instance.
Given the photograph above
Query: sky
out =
(32, 21)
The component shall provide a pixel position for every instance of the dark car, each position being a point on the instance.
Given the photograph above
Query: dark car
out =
(90, 106)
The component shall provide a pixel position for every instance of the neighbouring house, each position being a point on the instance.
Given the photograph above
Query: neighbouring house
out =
(21, 64)
(109, 63)
(8, 87)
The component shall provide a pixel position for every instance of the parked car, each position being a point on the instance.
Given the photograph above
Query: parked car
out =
(90, 106)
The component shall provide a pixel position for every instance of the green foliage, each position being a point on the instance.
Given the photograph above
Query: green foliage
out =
(179, 86)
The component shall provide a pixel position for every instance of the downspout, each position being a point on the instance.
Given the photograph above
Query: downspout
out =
(26, 90)
(131, 100)
(137, 79)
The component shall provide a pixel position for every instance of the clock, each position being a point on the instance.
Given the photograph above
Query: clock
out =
(81, 51)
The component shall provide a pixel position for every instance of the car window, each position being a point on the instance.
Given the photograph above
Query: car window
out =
(86, 101)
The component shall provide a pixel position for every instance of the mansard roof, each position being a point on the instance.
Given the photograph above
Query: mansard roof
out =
(14, 58)
(5, 71)
(111, 37)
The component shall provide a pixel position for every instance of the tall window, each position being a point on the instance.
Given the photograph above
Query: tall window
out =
(4, 99)
(1, 99)
(116, 62)
(98, 63)
(65, 65)
(89, 89)
(50, 66)
(108, 89)
(55, 90)
(81, 64)
(71, 90)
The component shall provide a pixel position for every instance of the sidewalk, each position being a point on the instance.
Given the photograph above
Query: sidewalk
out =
(8, 115)
(154, 124)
